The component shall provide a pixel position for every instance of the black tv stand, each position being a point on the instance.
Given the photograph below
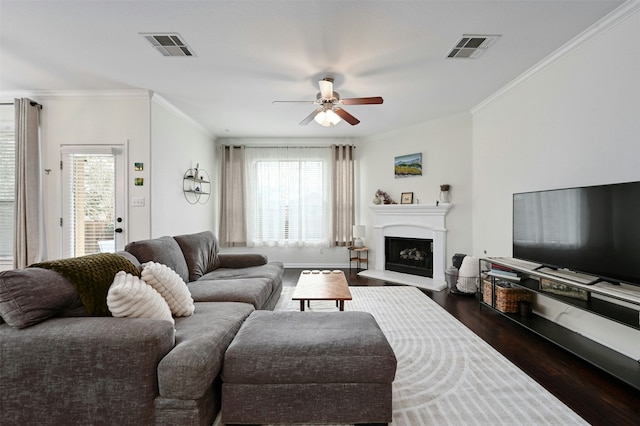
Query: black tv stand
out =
(626, 313)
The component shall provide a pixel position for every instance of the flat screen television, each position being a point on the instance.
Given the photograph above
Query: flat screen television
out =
(594, 230)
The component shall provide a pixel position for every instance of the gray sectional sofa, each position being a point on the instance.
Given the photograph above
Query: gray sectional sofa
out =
(60, 364)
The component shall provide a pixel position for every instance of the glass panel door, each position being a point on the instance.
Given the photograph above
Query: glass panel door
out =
(92, 219)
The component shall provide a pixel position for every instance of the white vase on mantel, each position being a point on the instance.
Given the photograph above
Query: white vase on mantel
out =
(445, 197)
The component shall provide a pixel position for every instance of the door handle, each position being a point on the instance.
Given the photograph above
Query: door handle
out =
(118, 230)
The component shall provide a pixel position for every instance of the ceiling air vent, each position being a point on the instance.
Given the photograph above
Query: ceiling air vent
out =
(168, 44)
(472, 46)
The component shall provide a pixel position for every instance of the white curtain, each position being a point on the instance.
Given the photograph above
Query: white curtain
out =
(233, 230)
(288, 199)
(29, 246)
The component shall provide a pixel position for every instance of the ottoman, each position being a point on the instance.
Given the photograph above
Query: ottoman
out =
(308, 367)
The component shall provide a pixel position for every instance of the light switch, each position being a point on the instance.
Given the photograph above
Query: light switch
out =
(137, 201)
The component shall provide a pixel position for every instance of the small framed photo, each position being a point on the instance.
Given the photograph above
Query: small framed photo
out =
(138, 167)
(138, 181)
(407, 198)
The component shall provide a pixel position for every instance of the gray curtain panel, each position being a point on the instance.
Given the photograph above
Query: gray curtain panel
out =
(343, 194)
(233, 228)
(29, 225)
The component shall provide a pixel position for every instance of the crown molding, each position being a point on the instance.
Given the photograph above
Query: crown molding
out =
(618, 15)
(133, 93)
(53, 94)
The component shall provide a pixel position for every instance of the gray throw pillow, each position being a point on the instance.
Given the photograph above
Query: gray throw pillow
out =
(200, 252)
(29, 296)
(163, 250)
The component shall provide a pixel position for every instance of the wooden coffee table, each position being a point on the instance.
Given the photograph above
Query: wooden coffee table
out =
(322, 285)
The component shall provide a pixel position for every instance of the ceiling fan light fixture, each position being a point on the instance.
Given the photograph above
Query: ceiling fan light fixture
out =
(327, 118)
(329, 111)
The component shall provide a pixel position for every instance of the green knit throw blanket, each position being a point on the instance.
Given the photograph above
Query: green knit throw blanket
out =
(92, 276)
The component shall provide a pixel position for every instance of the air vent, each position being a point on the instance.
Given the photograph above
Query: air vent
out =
(472, 46)
(168, 44)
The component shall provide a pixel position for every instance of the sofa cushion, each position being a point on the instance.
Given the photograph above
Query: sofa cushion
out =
(170, 286)
(201, 341)
(255, 291)
(163, 250)
(200, 252)
(272, 270)
(29, 296)
(241, 260)
(130, 297)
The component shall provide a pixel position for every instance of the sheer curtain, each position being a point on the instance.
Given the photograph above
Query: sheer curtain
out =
(233, 230)
(343, 194)
(29, 244)
(288, 200)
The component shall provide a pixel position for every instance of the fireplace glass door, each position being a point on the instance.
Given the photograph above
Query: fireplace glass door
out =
(409, 256)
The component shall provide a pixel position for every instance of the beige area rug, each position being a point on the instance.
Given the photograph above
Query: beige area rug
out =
(446, 374)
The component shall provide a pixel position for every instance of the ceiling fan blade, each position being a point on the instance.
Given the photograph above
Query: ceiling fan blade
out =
(326, 88)
(294, 102)
(363, 101)
(309, 118)
(346, 116)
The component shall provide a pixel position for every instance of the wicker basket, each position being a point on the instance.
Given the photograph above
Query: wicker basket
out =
(507, 298)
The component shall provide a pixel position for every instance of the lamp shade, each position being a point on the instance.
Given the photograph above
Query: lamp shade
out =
(358, 234)
(327, 118)
(359, 231)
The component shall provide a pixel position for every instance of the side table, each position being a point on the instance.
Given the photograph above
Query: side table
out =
(360, 255)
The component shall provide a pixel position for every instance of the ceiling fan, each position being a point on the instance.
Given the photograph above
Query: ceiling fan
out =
(330, 111)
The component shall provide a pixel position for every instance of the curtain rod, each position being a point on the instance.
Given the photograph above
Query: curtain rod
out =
(284, 146)
(32, 104)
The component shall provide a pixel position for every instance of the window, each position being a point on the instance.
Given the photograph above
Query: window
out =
(7, 180)
(288, 201)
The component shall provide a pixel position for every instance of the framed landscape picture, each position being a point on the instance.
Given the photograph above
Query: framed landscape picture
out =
(408, 165)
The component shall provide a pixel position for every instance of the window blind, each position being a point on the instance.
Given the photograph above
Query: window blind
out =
(91, 206)
(7, 190)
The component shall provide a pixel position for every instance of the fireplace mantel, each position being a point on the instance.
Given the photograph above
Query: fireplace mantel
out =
(411, 209)
(411, 221)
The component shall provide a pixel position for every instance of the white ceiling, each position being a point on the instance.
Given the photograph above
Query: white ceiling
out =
(250, 53)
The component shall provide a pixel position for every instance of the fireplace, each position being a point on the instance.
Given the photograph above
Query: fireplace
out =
(409, 255)
(410, 221)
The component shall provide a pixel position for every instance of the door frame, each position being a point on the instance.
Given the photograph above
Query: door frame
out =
(120, 152)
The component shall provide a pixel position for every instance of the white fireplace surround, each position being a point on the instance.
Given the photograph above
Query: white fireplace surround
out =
(410, 221)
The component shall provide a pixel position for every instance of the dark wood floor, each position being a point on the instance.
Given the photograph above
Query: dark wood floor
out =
(597, 397)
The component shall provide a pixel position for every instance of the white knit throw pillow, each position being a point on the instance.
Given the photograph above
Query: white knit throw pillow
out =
(131, 297)
(171, 286)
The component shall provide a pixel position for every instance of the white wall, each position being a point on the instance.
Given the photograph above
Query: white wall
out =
(177, 144)
(575, 122)
(71, 118)
(445, 145)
